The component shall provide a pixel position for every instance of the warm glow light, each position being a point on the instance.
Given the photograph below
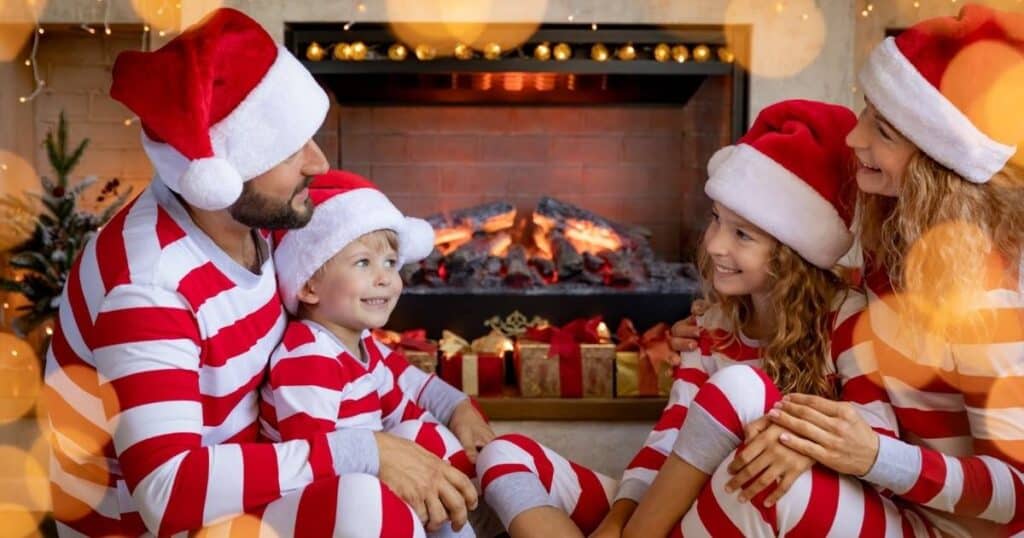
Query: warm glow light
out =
(18, 521)
(19, 378)
(990, 95)
(785, 43)
(18, 19)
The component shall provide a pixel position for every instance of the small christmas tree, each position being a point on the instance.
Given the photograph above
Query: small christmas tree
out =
(61, 231)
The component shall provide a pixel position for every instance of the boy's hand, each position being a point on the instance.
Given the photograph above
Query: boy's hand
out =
(470, 428)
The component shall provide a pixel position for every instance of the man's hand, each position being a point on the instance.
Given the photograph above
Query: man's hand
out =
(684, 333)
(436, 491)
(764, 461)
(470, 428)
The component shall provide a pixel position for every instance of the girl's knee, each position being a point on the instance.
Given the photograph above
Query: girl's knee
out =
(747, 389)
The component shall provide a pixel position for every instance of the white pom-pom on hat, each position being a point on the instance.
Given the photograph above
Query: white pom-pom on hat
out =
(416, 240)
(211, 183)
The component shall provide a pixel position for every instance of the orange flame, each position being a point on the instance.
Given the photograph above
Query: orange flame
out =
(589, 237)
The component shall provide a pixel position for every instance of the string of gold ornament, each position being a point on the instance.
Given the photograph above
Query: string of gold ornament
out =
(545, 51)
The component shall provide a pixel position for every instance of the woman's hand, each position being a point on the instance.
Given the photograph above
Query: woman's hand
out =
(830, 432)
(684, 333)
(764, 461)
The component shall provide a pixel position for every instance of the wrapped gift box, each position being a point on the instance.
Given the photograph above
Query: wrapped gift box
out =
(414, 345)
(642, 361)
(577, 360)
(477, 368)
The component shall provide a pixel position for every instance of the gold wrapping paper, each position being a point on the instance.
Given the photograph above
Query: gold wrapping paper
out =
(627, 375)
(423, 360)
(471, 374)
(539, 374)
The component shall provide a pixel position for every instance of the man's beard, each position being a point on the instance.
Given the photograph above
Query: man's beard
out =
(257, 211)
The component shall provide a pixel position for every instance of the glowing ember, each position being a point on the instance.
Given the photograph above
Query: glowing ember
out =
(589, 237)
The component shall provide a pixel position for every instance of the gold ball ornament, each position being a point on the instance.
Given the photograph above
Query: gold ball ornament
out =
(562, 52)
(492, 51)
(342, 51)
(626, 52)
(542, 52)
(662, 52)
(701, 53)
(314, 52)
(599, 52)
(358, 50)
(397, 52)
(726, 55)
(680, 53)
(463, 51)
(425, 52)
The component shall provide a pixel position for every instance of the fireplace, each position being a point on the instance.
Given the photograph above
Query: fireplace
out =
(559, 189)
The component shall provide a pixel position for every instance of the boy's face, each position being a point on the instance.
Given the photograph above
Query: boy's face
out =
(359, 287)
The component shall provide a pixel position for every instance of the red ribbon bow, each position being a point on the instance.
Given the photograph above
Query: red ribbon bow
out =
(565, 345)
(415, 340)
(653, 348)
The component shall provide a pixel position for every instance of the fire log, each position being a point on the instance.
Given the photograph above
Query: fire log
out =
(517, 270)
(486, 218)
(568, 261)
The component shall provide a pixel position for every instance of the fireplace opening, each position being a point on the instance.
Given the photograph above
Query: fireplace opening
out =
(558, 188)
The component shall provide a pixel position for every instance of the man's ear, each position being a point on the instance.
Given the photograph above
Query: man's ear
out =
(307, 293)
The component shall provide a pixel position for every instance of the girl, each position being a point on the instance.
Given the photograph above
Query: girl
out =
(783, 199)
(791, 176)
(942, 230)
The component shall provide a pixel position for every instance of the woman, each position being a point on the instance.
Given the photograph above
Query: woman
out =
(941, 223)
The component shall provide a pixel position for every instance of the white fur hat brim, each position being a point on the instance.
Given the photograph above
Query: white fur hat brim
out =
(276, 118)
(337, 222)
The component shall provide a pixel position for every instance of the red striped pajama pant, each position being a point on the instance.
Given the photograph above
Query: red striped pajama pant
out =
(819, 503)
(353, 505)
(503, 464)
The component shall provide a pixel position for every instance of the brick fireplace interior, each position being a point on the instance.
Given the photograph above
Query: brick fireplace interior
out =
(638, 164)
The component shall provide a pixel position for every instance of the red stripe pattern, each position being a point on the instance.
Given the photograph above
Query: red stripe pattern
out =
(960, 398)
(151, 382)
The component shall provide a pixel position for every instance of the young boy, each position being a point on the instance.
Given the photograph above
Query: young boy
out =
(339, 277)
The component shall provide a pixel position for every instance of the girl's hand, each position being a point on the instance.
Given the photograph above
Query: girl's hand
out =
(764, 462)
(830, 432)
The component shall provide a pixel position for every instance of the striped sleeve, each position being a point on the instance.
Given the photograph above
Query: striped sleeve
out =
(988, 484)
(856, 364)
(641, 471)
(416, 387)
(147, 353)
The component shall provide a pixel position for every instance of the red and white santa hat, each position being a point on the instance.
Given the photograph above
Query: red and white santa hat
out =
(792, 176)
(904, 79)
(347, 206)
(219, 104)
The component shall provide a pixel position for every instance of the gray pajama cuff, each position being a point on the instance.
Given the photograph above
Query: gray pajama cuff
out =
(703, 442)
(515, 493)
(440, 399)
(354, 451)
(632, 489)
(897, 465)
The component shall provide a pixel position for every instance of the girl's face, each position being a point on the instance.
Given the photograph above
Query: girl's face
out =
(740, 253)
(882, 153)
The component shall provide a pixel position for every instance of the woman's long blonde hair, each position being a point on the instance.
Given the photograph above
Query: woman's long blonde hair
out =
(935, 240)
(803, 295)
